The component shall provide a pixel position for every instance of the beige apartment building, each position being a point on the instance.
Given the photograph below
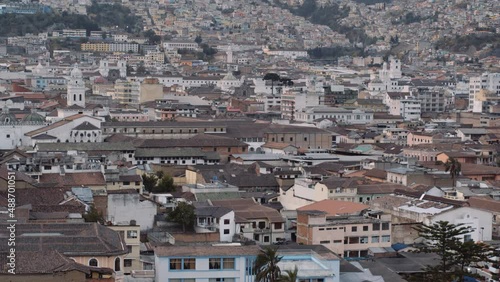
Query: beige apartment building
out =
(347, 236)
(131, 235)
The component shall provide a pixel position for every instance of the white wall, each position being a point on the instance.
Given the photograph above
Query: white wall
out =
(231, 226)
(125, 207)
(470, 217)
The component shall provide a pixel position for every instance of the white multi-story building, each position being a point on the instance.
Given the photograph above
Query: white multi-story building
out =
(235, 263)
(216, 263)
(489, 82)
(290, 54)
(74, 33)
(174, 45)
(408, 108)
(124, 47)
(294, 101)
(216, 219)
(340, 115)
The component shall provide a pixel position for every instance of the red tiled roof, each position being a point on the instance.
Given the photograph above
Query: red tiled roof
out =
(333, 207)
(74, 179)
(484, 203)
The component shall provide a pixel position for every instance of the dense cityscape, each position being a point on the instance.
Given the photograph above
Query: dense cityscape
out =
(241, 141)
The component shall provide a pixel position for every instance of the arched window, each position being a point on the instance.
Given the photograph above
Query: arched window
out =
(74, 97)
(93, 262)
(80, 97)
(117, 264)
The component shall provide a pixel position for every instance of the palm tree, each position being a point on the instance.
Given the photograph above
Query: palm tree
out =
(289, 276)
(266, 265)
(454, 167)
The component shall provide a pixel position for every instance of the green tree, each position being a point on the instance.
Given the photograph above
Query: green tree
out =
(152, 37)
(286, 81)
(141, 69)
(289, 275)
(470, 253)
(198, 39)
(165, 184)
(149, 182)
(266, 265)
(93, 215)
(272, 77)
(454, 167)
(183, 214)
(442, 238)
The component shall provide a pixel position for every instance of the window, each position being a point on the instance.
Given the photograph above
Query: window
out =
(117, 264)
(226, 231)
(93, 262)
(131, 233)
(363, 240)
(337, 241)
(214, 263)
(8, 135)
(385, 225)
(182, 263)
(226, 221)
(228, 263)
(127, 263)
(354, 229)
(375, 239)
(182, 280)
(353, 240)
(386, 238)
(365, 228)
(324, 242)
(266, 239)
(221, 280)
(221, 263)
(376, 226)
(278, 225)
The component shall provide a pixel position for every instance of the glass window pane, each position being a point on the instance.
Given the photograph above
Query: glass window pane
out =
(214, 263)
(189, 263)
(228, 263)
(175, 263)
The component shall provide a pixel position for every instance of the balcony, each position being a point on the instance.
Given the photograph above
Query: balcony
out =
(262, 231)
(206, 228)
(143, 273)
